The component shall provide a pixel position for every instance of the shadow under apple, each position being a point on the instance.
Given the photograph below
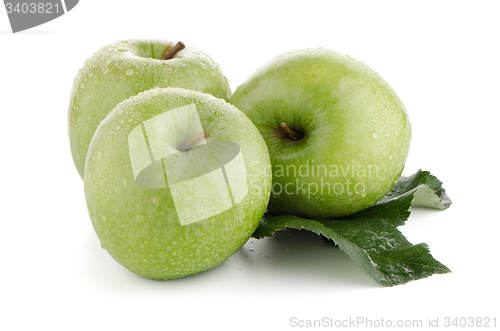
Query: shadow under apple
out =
(296, 256)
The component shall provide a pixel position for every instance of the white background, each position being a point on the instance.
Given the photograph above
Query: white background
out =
(441, 58)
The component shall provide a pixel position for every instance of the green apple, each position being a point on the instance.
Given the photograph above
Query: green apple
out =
(176, 181)
(337, 133)
(125, 68)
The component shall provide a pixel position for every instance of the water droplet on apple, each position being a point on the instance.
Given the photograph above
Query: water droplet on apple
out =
(396, 133)
(117, 127)
(122, 50)
(390, 156)
(129, 72)
(195, 72)
(374, 120)
(99, 155)
(375, 135)
(155, 201)
(140, 218)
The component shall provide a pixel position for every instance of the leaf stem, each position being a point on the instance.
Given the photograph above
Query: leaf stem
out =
(174, 50)
(293, 134)
(194, 140)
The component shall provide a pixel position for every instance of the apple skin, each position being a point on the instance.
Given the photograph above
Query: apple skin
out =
(139, 226)
(124, 68)
(356, 132)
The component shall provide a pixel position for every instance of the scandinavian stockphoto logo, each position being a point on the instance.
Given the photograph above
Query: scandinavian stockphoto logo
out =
(205, 178)
(26, 14)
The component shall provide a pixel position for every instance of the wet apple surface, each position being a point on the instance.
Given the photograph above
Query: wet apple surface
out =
(124, 68)
(337, 133)
(165, 205)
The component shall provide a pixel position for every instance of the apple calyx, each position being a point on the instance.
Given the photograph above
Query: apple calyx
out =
(193, 141)
(167, 55)
(291, 133)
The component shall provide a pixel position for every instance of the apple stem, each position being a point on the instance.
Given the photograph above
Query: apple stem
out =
(193, 141)
(178, 47)
(294, 135)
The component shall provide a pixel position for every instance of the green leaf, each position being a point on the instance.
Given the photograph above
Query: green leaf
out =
(394, 211)
(371, 238)
(429, 191)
